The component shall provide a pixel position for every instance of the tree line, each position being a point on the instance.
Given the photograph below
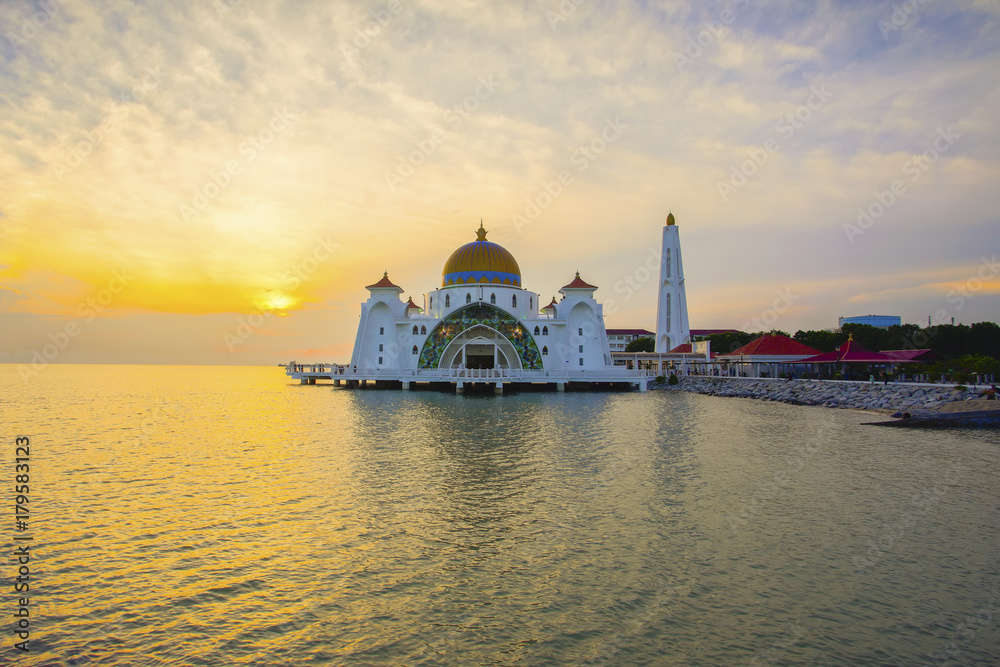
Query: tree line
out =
(949, 340)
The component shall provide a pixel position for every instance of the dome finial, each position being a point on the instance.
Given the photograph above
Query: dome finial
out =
(670, 219)
(481, 232)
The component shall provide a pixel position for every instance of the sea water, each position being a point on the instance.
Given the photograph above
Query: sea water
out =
(224, 516)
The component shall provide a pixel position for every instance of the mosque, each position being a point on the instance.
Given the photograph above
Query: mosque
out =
(482, 326)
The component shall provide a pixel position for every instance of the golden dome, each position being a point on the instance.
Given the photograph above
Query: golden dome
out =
(670, 219)
(481, 261)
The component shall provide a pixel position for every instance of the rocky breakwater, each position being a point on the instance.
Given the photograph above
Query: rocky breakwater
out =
(857, 395)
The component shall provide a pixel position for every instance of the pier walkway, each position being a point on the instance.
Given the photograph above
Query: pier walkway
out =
(460, 378)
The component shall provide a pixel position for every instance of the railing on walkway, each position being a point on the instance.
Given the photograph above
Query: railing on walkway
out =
(337, 371)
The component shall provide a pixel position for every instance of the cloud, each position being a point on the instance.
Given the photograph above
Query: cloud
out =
(118, 116)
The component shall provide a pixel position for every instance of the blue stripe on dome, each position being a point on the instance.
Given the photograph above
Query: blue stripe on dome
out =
(481, 276)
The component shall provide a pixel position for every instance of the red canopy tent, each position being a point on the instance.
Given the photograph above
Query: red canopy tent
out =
(852, 352)
(914, 356)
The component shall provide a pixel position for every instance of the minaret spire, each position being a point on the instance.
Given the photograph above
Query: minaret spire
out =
(672, 327)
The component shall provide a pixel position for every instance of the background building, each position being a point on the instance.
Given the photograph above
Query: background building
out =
(620, 338)
(884, 321)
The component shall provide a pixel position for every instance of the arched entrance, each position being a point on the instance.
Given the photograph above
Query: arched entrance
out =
(480, 347)
(504, 338)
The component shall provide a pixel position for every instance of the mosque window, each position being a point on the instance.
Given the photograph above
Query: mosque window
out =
(468, 297)
(537, 331)
(423, 330)
(431, 302)
(545, 331)
(381, 331)
(580, 331)
(531, 303)
(380, 347)
(380, 360)
(415, 349)
(545, 351)
(447, 301)
(493, 298)
(581, 361)
(581, 349)
(668, 263)
(666, 303)
(415, 330)
(513, 301)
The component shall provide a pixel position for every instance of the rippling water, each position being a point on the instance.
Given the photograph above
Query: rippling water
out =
(221, 516)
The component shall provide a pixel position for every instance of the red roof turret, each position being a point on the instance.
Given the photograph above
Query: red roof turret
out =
(384, 283)
(579, 283)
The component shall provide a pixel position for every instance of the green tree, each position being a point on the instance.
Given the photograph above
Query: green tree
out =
(824, 341)
(948, 340)
(874, 338)
(965, 368)
(984, 339)
(641, 345)
(901, 336)
(724, 343)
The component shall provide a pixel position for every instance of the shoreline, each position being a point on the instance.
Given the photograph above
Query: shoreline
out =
(884, 399)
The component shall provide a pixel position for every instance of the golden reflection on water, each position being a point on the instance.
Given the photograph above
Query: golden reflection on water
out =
(220, 515)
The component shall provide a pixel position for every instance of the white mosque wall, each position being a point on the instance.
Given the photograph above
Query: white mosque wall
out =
(442, 302)
(585, 334)
(377, 333)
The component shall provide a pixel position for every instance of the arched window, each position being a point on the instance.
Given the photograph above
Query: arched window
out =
(432, 302)
(513, 301)
(423, 330)
(415, 349)
(545, 331)
(493, 298)
(414, 329)
(447, 301)
(668, 262)
(531, 302)
(545, 351)
(468, 297)
(666, 303)
(537, 331)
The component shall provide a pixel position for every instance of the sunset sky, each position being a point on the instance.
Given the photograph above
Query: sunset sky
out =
(169, 170)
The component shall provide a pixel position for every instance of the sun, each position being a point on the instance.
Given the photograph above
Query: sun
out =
(276, 301)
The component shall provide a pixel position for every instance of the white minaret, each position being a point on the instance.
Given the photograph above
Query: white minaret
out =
(672, 327)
